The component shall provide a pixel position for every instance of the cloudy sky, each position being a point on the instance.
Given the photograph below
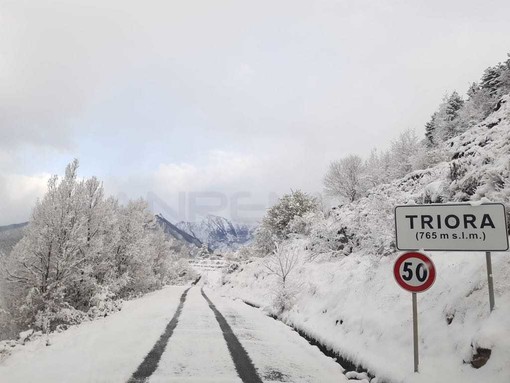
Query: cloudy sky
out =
(225, 103)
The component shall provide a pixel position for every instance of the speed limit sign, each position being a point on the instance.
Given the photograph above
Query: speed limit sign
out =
(414, 272)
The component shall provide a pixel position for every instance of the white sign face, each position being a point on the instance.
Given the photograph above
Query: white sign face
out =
(451, 227)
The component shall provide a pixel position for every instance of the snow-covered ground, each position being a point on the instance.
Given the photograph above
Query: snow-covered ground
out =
(278, 353)
(196, 352)
(106, 350)
(354, 306)
(111, 349)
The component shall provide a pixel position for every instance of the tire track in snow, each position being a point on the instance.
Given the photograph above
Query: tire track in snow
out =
(150, 363)
(243, 364)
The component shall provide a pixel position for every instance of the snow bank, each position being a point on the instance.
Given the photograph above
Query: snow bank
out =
(354, 306)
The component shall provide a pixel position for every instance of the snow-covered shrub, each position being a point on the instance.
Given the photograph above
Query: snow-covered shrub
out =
(58, 317)
(283, 299)
(103, 303)
(428, 157)
(326, 236)
(282, 218)
(434, 192)
(299, 225)
(233, 266)
(181, 272)
(288, 207)
(243, 253)
(53, 311)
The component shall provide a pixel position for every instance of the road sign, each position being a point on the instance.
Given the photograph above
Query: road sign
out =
(451, 227)
(414, 272)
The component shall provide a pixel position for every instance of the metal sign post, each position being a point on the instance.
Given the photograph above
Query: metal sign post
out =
(414, 272)
(415, 332)
(489, 279)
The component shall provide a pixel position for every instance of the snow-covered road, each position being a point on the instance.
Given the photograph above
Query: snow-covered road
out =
(211, 339)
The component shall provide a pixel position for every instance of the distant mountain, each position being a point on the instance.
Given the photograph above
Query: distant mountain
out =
(10, 235)
(217, 232)
(175, 232)
(214, 231)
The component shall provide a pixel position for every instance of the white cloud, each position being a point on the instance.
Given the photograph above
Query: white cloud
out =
(18, 195)
(217, 171)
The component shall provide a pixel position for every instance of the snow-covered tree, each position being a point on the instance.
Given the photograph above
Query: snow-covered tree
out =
(446, 118)
(79, 249)
(281, 262)
(478, 106)
(403, 153)
(288, 207)
(345, 178)
(430, 131)
(135, 257)
(276, 224)
(51, 255)
(455, 116)
(265, 239)
(504, 77)
(377, 168)
(491, 80)
(101, 234)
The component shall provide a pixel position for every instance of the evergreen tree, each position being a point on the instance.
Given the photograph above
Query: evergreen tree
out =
(446, 119)
(455, 103)
(430, 132)
(504, 77)
(491, 79)
(474, 88)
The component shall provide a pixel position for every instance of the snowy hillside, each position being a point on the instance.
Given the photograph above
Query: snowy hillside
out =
(217, 232)
(479, 167)
(342, 291)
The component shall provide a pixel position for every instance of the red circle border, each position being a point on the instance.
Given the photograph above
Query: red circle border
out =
(415, 289)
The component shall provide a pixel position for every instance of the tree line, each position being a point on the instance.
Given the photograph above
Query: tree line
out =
(81, 252)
